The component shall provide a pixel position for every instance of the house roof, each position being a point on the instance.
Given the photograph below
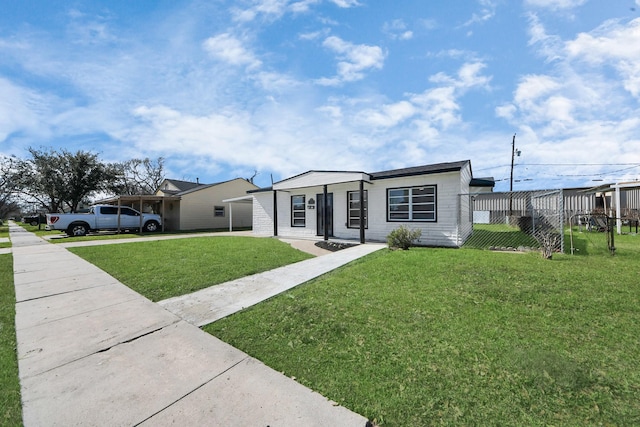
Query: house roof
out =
(421, 170)
(314, 178)
(483, 182)
(183, 185)
(203, 186)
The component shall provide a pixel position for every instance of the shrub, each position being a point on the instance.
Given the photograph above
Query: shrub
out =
(403, 238)
(549, 242)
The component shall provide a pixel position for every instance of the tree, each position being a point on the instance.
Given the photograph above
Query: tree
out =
(60, 179)
(138, 176)
(9, 186)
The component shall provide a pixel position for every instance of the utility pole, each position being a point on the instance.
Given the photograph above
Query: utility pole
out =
(513, 153)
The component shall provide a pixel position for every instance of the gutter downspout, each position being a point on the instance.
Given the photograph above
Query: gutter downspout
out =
(275, 213)
(325, 213)
(361, 211)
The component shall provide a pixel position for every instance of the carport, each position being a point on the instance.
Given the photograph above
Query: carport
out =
(138, 201)
(241, 199)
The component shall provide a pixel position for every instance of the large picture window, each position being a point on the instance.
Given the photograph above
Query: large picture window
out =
(353, 209)
(298, 212)
(412, 204)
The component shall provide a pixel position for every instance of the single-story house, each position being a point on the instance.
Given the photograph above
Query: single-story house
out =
(201, 206)
(433, 198)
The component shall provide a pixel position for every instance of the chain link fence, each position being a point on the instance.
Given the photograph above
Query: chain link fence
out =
(528, 220)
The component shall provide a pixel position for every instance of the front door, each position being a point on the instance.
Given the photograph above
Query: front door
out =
(321, 216)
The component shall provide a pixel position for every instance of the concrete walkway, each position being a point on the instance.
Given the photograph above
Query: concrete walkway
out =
(211, 304)
(93, 352)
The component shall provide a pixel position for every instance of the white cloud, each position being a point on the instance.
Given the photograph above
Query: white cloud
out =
(583, 108)
(397, 30)
(314, 35)
(487, 12)
(532, 87)
(549, 46)
(231, 50)
(388, 115)
(468, 76)
(555, 4)
(615, 45)
(302, 6)
(345, 3)
(227, 137)
(271, 9)
(21, 110)
(354, 60)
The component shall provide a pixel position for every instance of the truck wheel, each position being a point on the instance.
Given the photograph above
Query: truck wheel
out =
(77, 229)
(151, 226)
(33, 223)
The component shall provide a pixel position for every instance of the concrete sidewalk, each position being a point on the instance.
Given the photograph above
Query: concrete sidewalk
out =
(93, 352)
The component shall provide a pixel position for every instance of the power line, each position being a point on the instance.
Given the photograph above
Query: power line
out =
(633, 165)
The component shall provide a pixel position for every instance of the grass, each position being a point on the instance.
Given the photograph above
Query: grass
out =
(168, 268)
(4, 232)
(10, 406)
(485, 235)
(462, 337)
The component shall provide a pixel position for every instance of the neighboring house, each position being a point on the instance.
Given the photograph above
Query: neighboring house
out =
(200, 206)
(432, 198)
(171, 187)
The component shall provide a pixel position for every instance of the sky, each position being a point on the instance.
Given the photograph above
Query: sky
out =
(273, 88)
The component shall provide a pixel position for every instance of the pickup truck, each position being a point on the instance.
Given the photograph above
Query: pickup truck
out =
(103, 217)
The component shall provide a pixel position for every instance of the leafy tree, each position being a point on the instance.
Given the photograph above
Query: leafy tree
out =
(138, 176)
(60, 179)
(9, 186)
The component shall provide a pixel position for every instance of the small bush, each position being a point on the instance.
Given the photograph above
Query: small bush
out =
(403, 238)
(549, 241)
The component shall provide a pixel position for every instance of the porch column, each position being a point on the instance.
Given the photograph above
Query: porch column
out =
(325, 213)
(164, 216)
(361, 211)
(140, 215)
(230, 216)
(275, 213)
(118, 215)
(618, 210)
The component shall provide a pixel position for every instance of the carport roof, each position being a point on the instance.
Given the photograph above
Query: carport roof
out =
(137, 198)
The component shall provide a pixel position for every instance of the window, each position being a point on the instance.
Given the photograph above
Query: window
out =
(353, 209)
(128, 211)
(109, 210)
(218, 211)
(297, 211)
(411, 204)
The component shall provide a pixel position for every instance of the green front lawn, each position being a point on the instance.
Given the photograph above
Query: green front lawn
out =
(462, 337)
(167, 268)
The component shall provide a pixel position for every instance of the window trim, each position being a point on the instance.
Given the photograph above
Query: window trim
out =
(410, 204)
(303, 210)
(366, 210)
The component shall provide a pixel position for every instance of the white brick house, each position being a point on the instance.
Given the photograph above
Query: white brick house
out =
(429, 198)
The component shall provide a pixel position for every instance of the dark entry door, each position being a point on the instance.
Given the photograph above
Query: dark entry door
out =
(321, 216)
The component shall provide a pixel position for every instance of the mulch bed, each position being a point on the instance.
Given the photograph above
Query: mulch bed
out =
(334, 246)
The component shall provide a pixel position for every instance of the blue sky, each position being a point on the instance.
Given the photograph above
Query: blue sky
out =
(221, 89)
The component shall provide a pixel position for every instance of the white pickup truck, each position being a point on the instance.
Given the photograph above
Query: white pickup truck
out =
(103, 217)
